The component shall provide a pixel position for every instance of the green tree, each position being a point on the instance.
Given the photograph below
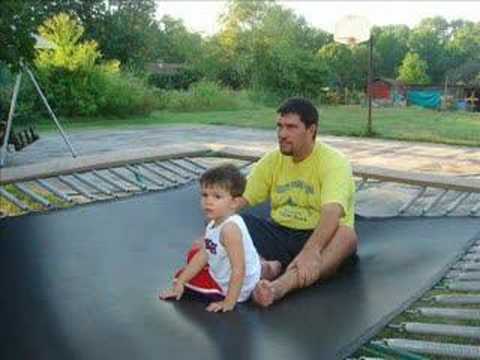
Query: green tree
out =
(128, 32)
(465, 44)
(338, 59)
(413, 70)
(429, 40)
(17, 21)
(73, 77)
(267, 46)
(175, 44)
(20, 19)
(391, 45)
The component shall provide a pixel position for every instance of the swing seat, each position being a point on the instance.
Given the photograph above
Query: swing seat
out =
(19, 139)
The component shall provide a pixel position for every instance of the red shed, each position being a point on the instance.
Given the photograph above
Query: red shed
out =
(381, 89)
(387, 90)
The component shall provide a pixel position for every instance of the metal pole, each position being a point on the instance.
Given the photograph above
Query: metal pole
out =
(52, 114)
(369, 88)
(13, 103)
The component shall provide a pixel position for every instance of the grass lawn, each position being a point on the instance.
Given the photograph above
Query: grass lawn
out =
(410, 124)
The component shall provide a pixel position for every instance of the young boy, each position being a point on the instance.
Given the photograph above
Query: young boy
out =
(226, 267)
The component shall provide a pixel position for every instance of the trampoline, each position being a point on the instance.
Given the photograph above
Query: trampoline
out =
(83, 283)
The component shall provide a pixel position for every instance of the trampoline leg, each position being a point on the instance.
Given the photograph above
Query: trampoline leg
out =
(13, 103)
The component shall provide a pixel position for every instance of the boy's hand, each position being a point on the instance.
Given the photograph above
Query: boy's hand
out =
(175, 292)
(222, 306)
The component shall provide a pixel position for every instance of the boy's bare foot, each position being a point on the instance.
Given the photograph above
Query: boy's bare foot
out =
(264, 293)
(271, 269)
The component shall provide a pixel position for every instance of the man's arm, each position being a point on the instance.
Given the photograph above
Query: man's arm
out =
(307, 260)
(241, 203)
(329, 220)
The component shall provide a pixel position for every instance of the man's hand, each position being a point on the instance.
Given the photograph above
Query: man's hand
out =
(306, 263)
(175, 292)
(222, 306)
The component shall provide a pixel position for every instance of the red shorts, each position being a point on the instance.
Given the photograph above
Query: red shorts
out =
(202, 285)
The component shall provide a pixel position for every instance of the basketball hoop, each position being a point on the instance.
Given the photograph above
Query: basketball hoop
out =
(352, 30)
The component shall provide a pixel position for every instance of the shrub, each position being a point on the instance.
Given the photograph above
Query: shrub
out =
(77, 84)
(126, 94)
(180, 80)
(203, 95)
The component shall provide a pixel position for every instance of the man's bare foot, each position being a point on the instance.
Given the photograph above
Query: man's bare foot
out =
(264, 293)
(271, 269)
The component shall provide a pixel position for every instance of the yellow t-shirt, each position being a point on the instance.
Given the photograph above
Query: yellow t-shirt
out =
(297, 191)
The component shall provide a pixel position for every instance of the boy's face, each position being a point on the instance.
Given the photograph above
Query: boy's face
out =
(217, 203)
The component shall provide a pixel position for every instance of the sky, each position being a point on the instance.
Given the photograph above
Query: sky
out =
(201, 16)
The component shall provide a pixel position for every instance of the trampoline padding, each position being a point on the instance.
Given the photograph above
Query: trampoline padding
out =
(83, 283)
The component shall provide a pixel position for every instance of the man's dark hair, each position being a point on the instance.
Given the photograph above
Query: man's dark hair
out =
(304, 108)
(226, 176)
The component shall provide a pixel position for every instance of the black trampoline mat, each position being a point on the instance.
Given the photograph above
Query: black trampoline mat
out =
(83, 283)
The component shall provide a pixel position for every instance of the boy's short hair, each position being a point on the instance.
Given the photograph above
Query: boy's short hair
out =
(304, 108)
(226, 176)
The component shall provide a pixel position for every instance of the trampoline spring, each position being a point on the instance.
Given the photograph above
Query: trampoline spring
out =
(152, 169)
(475, 210)
(459, 200)
(475, 257)
(194, 163)
(381, 348)
(110, 182)
(449, 313)
(457, 299)
(177, 162)
(153, 180)
(399, 327)
(245, 168)
(467, 266)
(464, 286)
(127, 180)
(36, 197)
(19, 204)
(81, 178)
(435, 201)
(75, 187)
(159, 185)
(362, 183)
(472, 332)
(47, 186)
(173, 171)
(474, 250)
(140, 177)
(412, 201)
(464, 276)
(434, 348)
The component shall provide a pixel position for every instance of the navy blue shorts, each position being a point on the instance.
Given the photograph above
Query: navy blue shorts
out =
(276, 242)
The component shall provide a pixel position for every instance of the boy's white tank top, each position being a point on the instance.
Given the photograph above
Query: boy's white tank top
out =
(219, 264)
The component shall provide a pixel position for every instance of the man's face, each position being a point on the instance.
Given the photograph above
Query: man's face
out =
(293, 137)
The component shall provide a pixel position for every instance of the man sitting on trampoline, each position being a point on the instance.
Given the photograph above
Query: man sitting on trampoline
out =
(311, 190)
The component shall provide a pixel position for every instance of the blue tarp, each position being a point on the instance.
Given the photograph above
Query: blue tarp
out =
(426, 98)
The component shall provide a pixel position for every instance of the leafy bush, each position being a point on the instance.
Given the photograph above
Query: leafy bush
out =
(180, 80)
(77, 84)
(203, 95)
(126, 94)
